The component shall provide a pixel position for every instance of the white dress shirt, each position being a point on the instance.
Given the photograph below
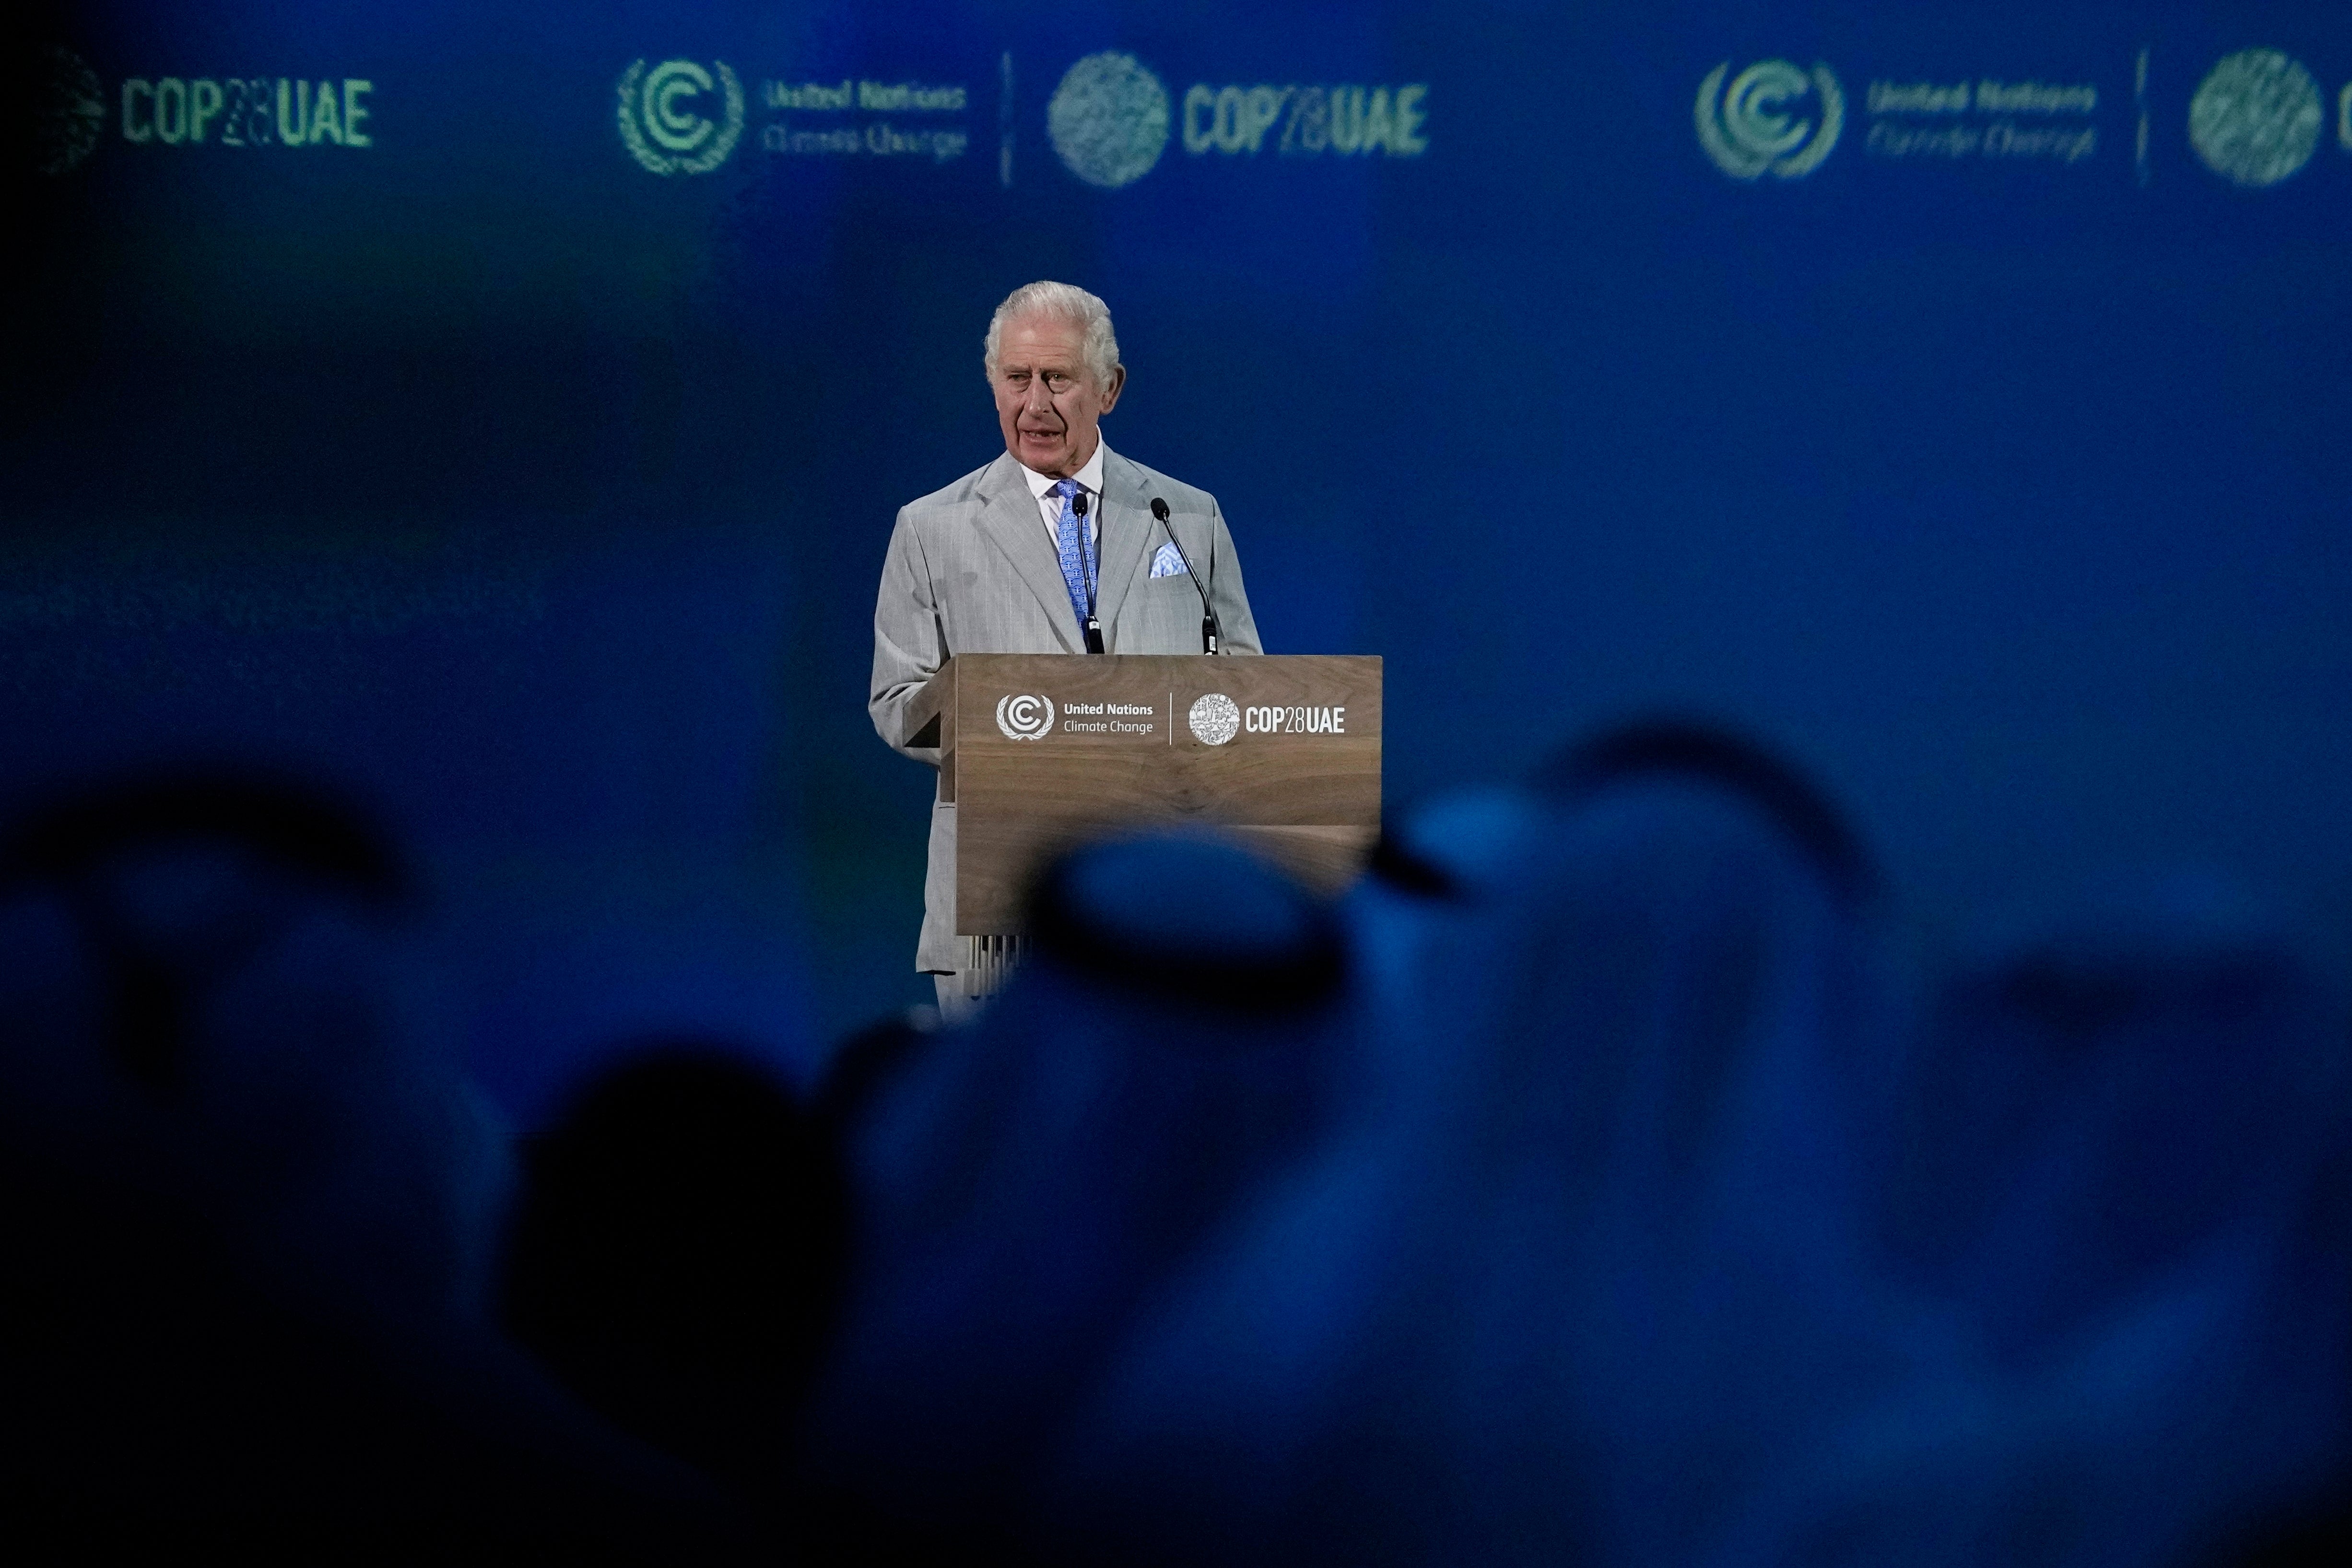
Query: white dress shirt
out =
(1049, 505)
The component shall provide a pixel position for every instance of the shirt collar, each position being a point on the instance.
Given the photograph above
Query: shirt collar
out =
(1089, 477)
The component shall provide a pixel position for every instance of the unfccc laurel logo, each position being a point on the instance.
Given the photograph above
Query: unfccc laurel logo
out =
(1024, 718)
(663, 119)
(1743, 127)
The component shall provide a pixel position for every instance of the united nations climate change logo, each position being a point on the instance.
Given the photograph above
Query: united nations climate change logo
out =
(1214, 719)
(676, 119)
(2256, 118)
(1024, 718)
(1745, 130)
(69, 112)
(1108, 120)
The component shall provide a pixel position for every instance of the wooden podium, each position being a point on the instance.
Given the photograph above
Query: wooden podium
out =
(1042, 751)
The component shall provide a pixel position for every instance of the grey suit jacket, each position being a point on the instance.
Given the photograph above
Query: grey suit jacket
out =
(970, 570)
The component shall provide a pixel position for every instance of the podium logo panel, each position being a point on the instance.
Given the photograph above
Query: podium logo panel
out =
(1022, 717)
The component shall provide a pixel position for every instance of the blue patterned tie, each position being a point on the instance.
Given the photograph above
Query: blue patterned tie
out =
(1070, 535)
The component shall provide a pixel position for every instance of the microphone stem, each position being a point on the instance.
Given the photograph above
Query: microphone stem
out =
(1212, 634)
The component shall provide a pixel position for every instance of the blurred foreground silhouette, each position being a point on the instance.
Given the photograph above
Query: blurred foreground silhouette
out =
(250, 1211)
(1598, 1181)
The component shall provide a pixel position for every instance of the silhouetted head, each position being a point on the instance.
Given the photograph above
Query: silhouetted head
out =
(1026, 1184)
(1712, 754)
(1576, 1265)
(1191, 924)
(171, 878)
(679, 1250)
(214, 991)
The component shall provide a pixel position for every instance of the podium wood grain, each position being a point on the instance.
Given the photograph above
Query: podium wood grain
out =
(1307, 798)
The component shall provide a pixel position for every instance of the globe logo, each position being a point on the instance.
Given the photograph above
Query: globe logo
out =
(70, 112)
(1108, 120)
(1214, 719)
(1746, 129)
(667, 115)
(1024, 718)
(2256, 118)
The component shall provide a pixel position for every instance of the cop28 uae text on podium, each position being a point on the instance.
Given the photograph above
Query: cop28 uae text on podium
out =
(1041, 751)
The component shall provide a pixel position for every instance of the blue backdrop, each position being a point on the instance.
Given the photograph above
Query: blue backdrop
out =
(504, 409)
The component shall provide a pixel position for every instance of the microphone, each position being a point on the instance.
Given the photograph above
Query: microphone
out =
(1212, 634)
(1088, 561)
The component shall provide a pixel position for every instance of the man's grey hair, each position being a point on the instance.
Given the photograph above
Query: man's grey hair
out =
(1062, 302)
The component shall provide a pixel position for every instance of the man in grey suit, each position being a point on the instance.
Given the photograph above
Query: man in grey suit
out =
(1006, 559)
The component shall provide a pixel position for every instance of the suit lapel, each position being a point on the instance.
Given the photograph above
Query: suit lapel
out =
(1009, 517)
(1127, 526)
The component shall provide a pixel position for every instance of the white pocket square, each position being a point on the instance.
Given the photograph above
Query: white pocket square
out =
(1168, 562)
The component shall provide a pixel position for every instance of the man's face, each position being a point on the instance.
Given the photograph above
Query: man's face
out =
(1048, 404)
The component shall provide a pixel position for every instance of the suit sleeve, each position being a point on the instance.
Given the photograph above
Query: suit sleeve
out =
(1226, 589)
(910, 643)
